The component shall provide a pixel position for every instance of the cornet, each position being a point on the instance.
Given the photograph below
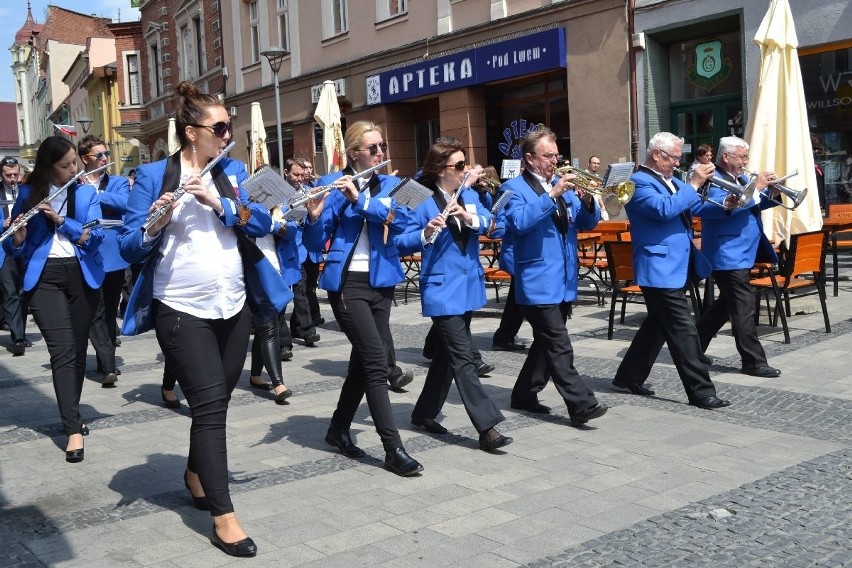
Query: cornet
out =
(796, 196)
(614, 197)
(743, 194)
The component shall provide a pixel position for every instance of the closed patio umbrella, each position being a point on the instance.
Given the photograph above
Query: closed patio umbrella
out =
(327, 114)
(259, 153)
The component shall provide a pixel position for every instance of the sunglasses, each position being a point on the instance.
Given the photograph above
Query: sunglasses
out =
(99, 155)
(459, 166)
(219, 129)
(373, 149)
(10, 162)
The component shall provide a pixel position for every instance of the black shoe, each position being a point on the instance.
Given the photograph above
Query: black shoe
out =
(705, 359)
(109, 379)
(590, 413)
(84, 430)
(281, 397)
(634, 388)
(4, 326)
(245, 547)
(28, 343)
(169, 403)
(19, 348)
(399, 462)
(319, 321)
(286, 353)
(491, 440)
(761, 371)
(710, 403)
(397, 381)
(311, 339)
(264, 386)
(74, 456)
(484, 368)
(342, 440)
(428, 353)
(533, 406)
(508, 346)
(118, 342)
(199, 502)
(429, 424)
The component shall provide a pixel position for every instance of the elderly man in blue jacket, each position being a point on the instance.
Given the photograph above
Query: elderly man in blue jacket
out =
(664, 258)
(544, 215)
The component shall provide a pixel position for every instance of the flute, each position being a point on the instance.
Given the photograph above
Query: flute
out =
(22, 220)
(160, 212)
(445, 213)
(319, 192)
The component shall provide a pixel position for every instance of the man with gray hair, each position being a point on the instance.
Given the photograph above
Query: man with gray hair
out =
(732, 240)
(664, 259)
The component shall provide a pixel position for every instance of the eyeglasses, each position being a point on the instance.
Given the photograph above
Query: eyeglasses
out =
(672, 158)
(548, 157)
(99, 155)
(219, 129)
(10, 162)
(373, 149)
(459, 166)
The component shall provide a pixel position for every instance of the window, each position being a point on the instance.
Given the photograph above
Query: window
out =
(387, 9)
(283, 27)
(396, 7)
(335, 18)
(155, 77)
(134, 85)
(199, 44)
(254, 38)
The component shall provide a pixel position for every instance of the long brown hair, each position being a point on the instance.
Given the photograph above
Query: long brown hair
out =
(193, 108)
(435, 161)
(51, 151)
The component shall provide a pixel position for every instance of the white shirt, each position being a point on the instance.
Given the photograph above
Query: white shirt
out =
(60, 247)
(199, 270)
(361, 257)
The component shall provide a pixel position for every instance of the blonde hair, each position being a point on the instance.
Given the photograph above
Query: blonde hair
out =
(356, 130)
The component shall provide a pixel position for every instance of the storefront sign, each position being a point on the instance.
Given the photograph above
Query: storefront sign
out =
(516, 57)
(339, 88)
(710, 68)
(513, 134)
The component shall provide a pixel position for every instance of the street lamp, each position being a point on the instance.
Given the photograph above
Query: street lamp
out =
(85, 123)
(275, 56)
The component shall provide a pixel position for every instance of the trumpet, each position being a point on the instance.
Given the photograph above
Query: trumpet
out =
(160, 212)
(320, 191)
(614, 197)
(796, 196)
(34, 211)
(743, 194)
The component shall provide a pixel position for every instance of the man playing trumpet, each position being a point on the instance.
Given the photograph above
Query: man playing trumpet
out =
(732, 239)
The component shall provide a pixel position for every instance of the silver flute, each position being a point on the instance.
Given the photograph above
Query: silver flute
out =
(161, 211)
(22, 220)
(320, 191)
(446, 212)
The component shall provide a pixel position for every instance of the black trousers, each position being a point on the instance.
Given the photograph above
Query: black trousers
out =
(363, 314)
(511, 320)
(99, 336)
(208, 356)
(284, 337)
(454, 359)
(669, 321)
(301, 320)
(551, 355)
(433, 341)
(312, 272)
(63, 306)
(14, 305)
(266, 350)
(735, 302)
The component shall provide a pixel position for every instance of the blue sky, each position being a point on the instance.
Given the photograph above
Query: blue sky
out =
(13, 14)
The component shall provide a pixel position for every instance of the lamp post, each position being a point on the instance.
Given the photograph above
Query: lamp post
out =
(275, 56)
(85, 123)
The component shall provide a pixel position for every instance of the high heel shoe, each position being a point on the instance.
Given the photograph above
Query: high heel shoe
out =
(244, 547)
(199, 502)
(169, 403)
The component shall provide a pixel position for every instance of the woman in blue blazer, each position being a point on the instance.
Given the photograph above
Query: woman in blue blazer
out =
(361, 270)
(202, 273)
(452, 285)
(63, 271)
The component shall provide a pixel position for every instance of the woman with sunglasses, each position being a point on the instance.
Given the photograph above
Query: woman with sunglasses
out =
(361, 270)
(63, 271)
(196, 286)
(452, 285)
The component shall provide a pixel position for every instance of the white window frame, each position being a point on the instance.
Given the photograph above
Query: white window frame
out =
(284, 24)
(126, 55)
(254, 31)
(155, 75)
(190, 41)
(335, 20)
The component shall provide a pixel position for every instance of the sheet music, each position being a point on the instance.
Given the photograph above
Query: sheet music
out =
(410, 193)
(105, 223)
(296, 215)
(501, 203)
(268, 188)
(618, 173)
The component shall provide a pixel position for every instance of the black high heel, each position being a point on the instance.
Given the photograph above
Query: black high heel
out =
(199, 502)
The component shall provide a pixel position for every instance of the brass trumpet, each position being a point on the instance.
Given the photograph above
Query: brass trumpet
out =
(614, 197)
(796, 196)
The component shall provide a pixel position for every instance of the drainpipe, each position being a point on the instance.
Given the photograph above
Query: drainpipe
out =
(634, 97)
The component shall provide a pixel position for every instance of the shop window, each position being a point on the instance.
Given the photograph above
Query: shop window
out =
(425, 134)
(706, 67)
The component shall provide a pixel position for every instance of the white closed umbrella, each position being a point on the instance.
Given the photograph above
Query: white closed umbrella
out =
(259, 154)
(327, 114)
(171, 137)
(777, 131)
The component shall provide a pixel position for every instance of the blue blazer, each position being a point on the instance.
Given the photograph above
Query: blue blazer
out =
(507, 244)
(545, 259)
(113, 194)
(734, 239)
(661, 231)
(341, 221)
(265, 289)
(291, 252)
(36, 245)
(451, 277)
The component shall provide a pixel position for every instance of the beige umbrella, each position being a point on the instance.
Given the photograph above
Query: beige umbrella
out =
(171, 137)
(777, 130)
(327, 115)
(259, 154)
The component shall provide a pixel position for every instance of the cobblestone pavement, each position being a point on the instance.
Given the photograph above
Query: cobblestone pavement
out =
(766, 482)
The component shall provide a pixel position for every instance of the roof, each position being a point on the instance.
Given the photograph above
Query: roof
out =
(8, 116)
(29, 29)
